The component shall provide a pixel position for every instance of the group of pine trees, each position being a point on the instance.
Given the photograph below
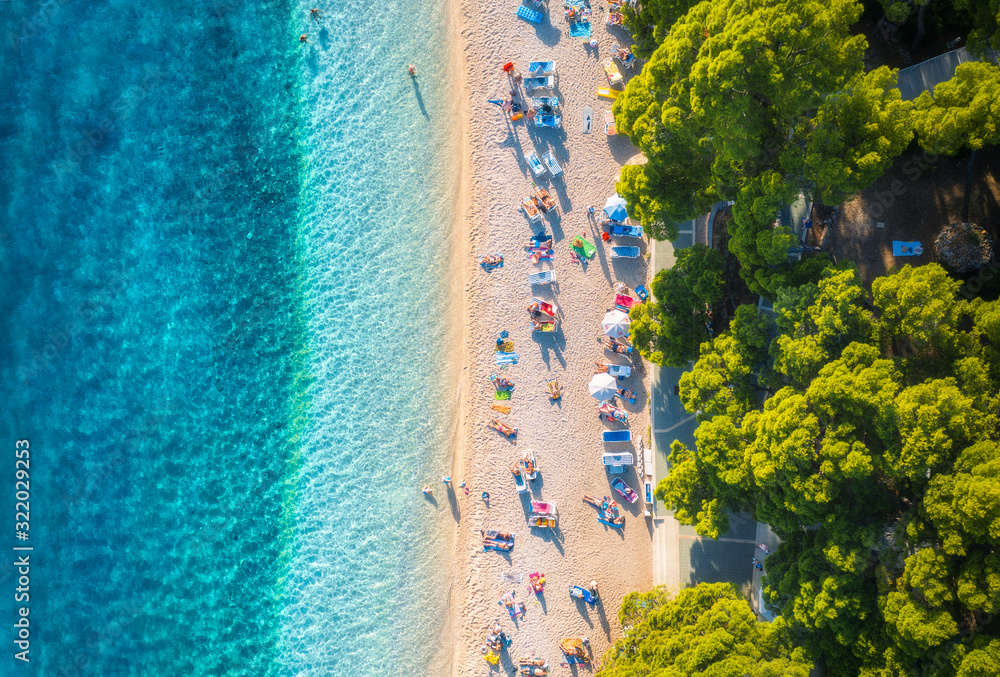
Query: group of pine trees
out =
(862, 425)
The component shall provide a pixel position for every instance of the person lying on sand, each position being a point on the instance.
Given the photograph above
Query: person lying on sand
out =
(492, 260)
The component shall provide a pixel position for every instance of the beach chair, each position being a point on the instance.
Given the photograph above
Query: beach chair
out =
(608, 93)
(544, 82)
(545, 201)
(553, 121)
(624, 302)
(541, 68)
(545, 327)
(624, 489)
(550, 101)
(551, 163)
(610, 127)
(611, 70)
(625, 230)
(623, 55)
(537, 168)
(529, 14)
(641, 292)
(545, 307)
(624, 252)
(531, 209)
(906, 248)
(620, 371)
(616, 463)
(617, 435)
(544, 277)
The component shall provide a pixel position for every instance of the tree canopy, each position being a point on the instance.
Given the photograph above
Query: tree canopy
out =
(669, 330)
(705, 630)
(875, 457)
(963, 112)
(757, 102)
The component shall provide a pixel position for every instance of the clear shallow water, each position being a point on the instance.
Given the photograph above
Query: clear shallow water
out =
(228, 365)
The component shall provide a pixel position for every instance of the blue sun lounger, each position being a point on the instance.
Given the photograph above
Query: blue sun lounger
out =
(553, 121)
(617, 435)
(542, 67)
(641, 292)
(628, 231)
(529, 14)
(543, 277)
(624, 252)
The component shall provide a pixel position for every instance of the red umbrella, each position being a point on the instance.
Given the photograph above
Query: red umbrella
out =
(508, 67)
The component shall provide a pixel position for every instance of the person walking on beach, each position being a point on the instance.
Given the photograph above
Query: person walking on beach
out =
(427, 490)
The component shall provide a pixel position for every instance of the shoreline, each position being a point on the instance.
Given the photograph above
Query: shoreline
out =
(566, 436)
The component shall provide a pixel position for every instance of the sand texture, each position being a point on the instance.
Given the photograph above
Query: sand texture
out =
(566, 436)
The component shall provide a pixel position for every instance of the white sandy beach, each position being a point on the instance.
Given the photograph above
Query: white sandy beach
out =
(566, 436)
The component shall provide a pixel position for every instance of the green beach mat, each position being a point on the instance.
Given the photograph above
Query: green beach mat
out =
(501, 395)
(587, 250)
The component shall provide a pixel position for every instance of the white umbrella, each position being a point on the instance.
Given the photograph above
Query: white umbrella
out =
(615, 324)
(615, 208)
(603, 387)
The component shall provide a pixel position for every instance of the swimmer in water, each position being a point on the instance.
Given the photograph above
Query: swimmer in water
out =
(303, 38)
(315, 14)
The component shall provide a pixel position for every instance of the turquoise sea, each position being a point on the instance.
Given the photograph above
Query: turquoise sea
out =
(224, 331)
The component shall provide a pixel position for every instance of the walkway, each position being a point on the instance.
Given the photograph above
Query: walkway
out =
(681, 557)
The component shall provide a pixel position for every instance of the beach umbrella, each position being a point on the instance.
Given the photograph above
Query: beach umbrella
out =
(603, 387)
(615, 324)
(615, 208)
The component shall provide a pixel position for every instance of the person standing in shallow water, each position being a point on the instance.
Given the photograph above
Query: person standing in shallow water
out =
(411, 69)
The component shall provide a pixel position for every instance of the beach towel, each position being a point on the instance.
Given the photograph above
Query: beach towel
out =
(506, 358)
(585, 248)
(580, 30)
(499, 407)
(501, 395)
(906, 248)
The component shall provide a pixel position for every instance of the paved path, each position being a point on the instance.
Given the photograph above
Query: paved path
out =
(681, 557)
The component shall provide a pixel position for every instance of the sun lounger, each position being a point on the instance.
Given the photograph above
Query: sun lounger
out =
(537, 168)
(531, 209)
(553, 121)
(625, 302)
(608, 93)
(906, 248)
(625, 230)
(611, 70)
(541, 68)
(625, 490)
(545, 201)
(506, 358)
(624, 252)
(619, 371)
(641, 292)
(610, 127)
(544, 82)
(616, 463)
(529, 14)
(546, 308)
(544, 277)
(550, 101)
(627, 59)
(550, 162)
(617, 435)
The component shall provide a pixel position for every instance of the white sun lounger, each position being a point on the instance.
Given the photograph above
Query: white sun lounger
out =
(542, 67)
(544, 82)
(551, 163)
(537, 168)
(539, 101)
(619, 370)
(553, 121)
(543, 277)
(624, 252)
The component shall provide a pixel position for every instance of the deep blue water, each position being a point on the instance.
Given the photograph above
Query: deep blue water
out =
(218, 336)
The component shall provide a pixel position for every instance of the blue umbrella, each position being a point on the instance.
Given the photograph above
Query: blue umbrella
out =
(615, 208)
